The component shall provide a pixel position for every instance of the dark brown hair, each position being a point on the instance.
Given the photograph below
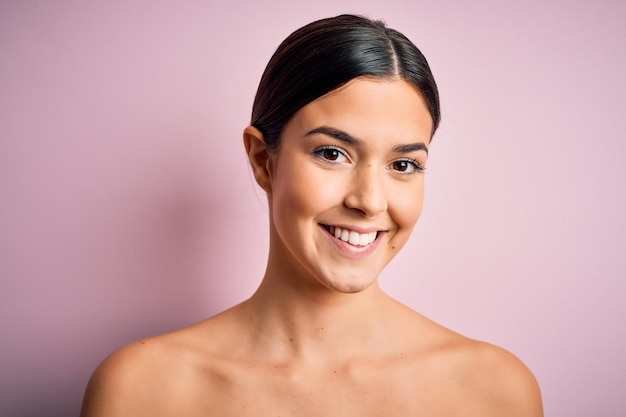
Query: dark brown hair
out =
(326, 54)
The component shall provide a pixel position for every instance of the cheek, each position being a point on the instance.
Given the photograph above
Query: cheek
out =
(300, 191)
(408, 206)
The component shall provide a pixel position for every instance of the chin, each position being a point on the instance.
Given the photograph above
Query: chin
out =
(345, 285)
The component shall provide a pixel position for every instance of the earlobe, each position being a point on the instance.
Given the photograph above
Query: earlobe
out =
(259, 157)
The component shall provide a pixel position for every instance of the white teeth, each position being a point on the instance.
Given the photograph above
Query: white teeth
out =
(367, 238)
(352, 237)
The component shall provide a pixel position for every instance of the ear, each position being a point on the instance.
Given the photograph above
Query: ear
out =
(259, 156)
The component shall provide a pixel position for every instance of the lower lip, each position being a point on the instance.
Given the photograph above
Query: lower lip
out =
(351, 251)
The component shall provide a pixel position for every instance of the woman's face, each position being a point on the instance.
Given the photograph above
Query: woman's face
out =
(347, 183)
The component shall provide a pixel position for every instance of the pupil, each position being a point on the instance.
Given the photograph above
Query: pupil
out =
(332, 154)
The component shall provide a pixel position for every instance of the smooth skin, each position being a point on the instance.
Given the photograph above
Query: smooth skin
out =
(319, 337)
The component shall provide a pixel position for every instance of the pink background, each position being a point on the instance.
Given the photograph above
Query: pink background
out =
(127, 208)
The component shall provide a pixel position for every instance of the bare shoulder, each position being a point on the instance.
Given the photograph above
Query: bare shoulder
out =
(152, 377)
(128, 381)
(495, 382)
(464, 376)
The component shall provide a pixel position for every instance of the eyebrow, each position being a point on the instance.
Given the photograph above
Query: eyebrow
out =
(335, 133)
(349, 139)
(411, 147)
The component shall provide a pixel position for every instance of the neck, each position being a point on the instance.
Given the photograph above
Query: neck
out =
(311, 323)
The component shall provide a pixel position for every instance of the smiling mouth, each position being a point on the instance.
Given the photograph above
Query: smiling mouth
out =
(350, 236)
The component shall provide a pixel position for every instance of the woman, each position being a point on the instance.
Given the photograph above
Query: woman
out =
(341, 127)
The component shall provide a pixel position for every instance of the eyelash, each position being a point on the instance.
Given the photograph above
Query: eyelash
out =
(419, 168)
(319, 152)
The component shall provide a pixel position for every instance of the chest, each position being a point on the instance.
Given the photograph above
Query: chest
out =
(339, 393)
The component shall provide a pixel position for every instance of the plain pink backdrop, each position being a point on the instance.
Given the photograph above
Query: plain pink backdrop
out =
(127, 208)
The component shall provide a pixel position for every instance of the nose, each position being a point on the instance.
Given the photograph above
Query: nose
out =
(366, 193)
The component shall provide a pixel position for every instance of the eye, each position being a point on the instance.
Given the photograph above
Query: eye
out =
(407, 166)
(330, 154)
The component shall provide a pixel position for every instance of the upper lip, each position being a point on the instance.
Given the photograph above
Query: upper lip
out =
(359, 230)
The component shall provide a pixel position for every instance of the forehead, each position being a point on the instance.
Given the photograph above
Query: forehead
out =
(370, 108)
